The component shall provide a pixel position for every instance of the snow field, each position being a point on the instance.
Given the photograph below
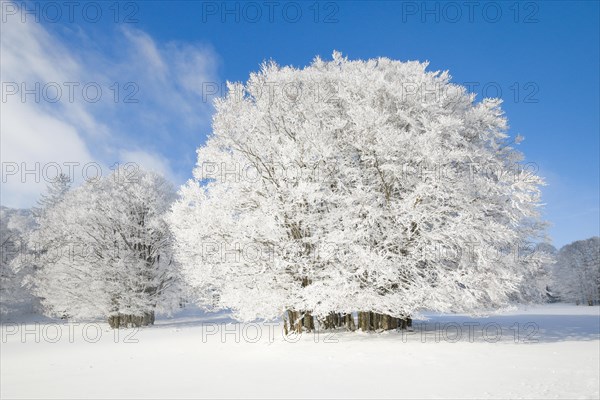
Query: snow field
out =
(197, 355)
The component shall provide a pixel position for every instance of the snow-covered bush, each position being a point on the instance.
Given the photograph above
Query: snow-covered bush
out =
(374, 186)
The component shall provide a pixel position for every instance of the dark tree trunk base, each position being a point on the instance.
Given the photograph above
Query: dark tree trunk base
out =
(131, 321)
(303, 321)
(338, 320)
(298, 322)
(370, 321)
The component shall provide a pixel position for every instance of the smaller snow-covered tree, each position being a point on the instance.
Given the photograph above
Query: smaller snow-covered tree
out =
(34, 254)
(545, 280)
(18, 258)
(108, 251)
(54, 193)
(14, 295)
(577, 275)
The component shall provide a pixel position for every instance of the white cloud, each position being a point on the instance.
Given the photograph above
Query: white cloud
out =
(35, 140)
(146, 52)
(149, 161)
(166, 79)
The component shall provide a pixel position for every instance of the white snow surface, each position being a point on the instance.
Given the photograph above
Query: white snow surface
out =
(200, 355)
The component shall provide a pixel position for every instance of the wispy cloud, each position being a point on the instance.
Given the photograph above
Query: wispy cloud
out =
(73, 99)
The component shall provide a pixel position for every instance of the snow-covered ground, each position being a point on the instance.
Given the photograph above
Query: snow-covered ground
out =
(542, 352)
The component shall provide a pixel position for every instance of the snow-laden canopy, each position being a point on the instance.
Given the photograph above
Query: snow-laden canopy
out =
(357, 185)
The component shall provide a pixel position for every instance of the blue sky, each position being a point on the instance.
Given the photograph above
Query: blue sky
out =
(542, 58)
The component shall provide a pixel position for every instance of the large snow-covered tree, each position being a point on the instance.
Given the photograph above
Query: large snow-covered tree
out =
(373, 186)
(577, 272)
(104, 250)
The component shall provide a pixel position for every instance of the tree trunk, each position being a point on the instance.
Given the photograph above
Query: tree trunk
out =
(298, 322)
(338, 320)
(405, 323)
(370, 321)
(131, 321)
(349, 322)
(364, 318)
(309, 322)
